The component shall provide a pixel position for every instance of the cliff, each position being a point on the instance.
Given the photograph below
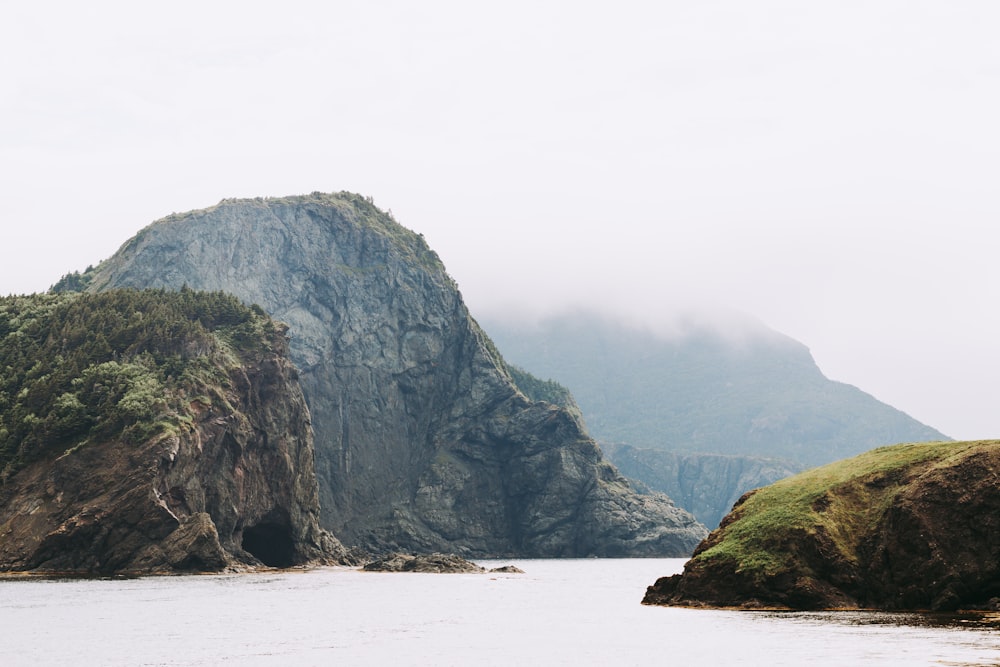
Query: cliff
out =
(423, 441)
(909, 527)
(707, 485)
(152, 432)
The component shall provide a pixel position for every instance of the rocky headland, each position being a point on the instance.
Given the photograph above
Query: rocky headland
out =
(907, 527)
(424, 441)
(152, 432)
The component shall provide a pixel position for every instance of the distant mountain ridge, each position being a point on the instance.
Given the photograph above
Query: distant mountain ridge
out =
(700, 416)
(761, 395)
(707, 485)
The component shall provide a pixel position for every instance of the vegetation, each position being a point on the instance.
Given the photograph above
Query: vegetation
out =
(77, 368)
(549, 391)
(75, 281)
(844, 501)
(540, 390)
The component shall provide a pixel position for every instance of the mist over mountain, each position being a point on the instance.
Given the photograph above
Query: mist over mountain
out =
(751, 397)
(758, 394)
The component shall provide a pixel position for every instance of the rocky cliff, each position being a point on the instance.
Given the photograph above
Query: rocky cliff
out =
(909, 527)
(423, 441)
(152, 432)
(707, 485)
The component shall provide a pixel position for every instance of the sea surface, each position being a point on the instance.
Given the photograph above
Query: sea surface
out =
(559, 612)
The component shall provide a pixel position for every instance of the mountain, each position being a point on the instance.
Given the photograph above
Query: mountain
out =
(754, 399)
(152, 432)
(907, 527)
(423, 440)
(759, 395)
(707, 485)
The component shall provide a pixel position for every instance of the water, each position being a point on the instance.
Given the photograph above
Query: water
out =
(560, 612)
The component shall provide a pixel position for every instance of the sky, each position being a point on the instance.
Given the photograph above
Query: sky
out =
(831, 169)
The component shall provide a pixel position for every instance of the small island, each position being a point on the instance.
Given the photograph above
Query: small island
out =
(905, 527)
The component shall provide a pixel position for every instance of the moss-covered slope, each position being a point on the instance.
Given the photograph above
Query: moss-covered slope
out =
(913, 526)
(151, 431)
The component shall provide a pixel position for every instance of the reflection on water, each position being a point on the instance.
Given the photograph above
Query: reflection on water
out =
(565, 612)
(964, 620)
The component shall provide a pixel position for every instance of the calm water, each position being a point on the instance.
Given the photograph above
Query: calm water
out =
(569, 612)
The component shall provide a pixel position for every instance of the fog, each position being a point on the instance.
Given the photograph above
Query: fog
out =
(827, 169)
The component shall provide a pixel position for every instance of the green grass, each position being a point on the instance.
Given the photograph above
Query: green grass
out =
(846, 500)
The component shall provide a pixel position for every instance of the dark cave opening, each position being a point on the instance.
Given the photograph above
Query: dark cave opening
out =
(270, 543)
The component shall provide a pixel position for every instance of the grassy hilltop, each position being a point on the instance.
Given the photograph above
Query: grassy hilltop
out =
(909, 526)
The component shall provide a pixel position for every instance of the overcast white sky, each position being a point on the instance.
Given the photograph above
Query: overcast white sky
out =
(831, 168)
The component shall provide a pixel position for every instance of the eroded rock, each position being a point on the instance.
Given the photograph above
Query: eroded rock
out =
(429, 563)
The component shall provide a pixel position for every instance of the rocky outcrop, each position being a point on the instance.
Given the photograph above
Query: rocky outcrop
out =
(423, 442)
(910, 527)
(428, 563)
(225, 482)
(707, 485)
(433, 564)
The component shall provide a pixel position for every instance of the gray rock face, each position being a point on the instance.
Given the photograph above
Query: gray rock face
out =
(433, 564)
(707, 485)
(235, 491)
(423, 443)
(429, 563)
